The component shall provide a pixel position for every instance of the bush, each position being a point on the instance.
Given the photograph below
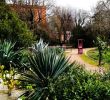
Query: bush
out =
(8, 57)
(45, 66)
(50, 76)
(13, 29)
(78, 84)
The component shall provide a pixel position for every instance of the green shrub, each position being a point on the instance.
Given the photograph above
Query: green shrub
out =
(13, 29)
(45, 67)
(78, 84)
(50, 76)
(8, 57)
(39, 46)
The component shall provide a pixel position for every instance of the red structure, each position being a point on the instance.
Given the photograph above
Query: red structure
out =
(39, 12)
(80, 46)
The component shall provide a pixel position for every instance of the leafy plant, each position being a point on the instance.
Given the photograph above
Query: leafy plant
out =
(45, 68)
(101, 45)
(57, 50)
(8, 56)
(13, 29)
(40, 46)
(78, 84)
(7, 77)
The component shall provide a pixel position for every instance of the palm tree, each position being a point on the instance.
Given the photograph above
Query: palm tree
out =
(45, 68)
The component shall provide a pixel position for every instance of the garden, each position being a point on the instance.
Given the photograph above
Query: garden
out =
(45, 73)
(40, 71)
(93, 54)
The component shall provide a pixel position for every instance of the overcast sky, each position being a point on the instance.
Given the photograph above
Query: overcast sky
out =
(78, 4)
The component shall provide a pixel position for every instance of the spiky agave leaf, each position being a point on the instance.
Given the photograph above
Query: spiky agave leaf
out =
(45, 67)
(40, 46)
(8, 55)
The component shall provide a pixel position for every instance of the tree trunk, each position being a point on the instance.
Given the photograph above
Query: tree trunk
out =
(100, 57)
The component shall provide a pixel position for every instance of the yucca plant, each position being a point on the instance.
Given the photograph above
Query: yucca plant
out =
(57, 50)
(7, 55)
(45, 68)
(39, 46)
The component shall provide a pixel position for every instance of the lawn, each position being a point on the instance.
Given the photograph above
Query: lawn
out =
(89, 60)
(92, 57)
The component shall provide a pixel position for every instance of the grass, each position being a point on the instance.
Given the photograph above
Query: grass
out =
(88, 60)
(92, 58)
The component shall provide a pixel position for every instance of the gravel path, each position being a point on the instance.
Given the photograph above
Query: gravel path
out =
(74, 56)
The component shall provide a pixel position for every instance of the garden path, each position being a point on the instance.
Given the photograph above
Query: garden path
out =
(74, 56)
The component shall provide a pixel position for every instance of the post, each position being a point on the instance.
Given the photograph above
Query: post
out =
(80, 46)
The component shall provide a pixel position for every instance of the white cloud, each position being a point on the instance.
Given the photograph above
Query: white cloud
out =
(78, 4)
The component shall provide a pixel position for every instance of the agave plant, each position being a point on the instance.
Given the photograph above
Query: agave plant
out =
(7, 55)
(45, 68)
(57, 50)
(40, 46)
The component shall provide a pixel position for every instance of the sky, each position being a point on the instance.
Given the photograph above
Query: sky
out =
(78, 4)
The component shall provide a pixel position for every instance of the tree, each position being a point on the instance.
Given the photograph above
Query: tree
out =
(2, 1)
(49, 4)
(81, 27)
(101, 26)
(80, 17)
(61, 21)
(101, 45)
(101, 18)
(12, 28)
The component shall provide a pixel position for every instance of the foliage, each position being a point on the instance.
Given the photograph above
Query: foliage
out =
(45, 67)
(101, 45)
(8, 78)
(24, 53)
(12, 28)
(78, 84)
(3, 1)
(82, 33)
(89, 59)
(50, 76)
(93, 54)
(40, 46)
(58, 50)
(8, 56)
(61, 21)
(101, 18)
(42, 32)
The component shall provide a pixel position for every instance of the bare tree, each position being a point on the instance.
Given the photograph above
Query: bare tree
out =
(80, 17)
(101, 18)
(62, 20)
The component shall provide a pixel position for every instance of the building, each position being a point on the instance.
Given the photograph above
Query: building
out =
(26, 2)
(24, 6)
(39, 12)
